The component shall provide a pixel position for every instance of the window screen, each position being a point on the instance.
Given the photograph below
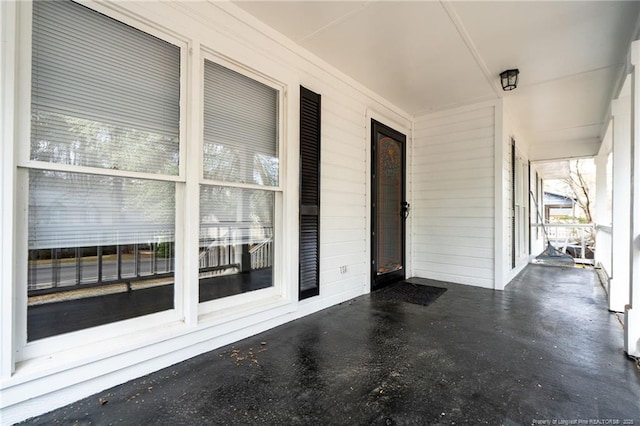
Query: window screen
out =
(104, 96)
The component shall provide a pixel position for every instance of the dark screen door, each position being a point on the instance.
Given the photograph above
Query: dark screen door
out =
(388, 206)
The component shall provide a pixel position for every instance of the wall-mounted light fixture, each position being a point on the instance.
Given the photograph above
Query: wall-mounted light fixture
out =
(509, 79)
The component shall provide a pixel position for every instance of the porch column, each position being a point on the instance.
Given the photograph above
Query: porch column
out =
(621, 229)
(602, 218)
(632, 310)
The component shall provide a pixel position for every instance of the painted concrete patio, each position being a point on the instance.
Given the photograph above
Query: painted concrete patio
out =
(544, 349)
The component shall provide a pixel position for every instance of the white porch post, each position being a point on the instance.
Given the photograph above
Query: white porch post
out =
(621, 230)
(500, 266)
(632, 310)
(602, 217)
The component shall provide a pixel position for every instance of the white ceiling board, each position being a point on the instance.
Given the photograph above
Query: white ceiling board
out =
(549, 40)
(542, 142)
(553, 169)
(409, 52)
(583, 148)
(573, 133)
(298, 20)
(577, 101)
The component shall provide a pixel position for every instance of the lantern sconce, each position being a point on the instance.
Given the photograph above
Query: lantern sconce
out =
(509, 79)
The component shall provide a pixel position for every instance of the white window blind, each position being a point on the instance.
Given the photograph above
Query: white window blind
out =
(235, 215)
(104, 94)
(80, 210)
(240, 128)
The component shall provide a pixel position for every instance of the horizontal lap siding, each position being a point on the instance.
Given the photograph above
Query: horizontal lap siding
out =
(344, 203)
(453, 197)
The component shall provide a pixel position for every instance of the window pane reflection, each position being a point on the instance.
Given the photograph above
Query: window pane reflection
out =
(236, 241)
(101, 249)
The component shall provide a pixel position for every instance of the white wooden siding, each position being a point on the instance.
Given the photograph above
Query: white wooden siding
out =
(343, 204)
(453, 196)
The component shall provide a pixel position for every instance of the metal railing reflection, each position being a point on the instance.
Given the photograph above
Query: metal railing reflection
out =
(226, 251)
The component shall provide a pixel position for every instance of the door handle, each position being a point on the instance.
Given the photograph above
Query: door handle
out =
(404, 209)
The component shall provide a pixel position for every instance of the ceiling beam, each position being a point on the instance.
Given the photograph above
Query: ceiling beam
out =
(466, 38)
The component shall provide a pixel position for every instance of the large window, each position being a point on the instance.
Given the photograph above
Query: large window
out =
(240, 183)
(110, 190)
(102, 170)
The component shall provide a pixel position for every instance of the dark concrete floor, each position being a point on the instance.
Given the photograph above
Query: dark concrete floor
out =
(544, 349)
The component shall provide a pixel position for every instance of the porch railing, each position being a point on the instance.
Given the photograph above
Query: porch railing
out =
(574, 239)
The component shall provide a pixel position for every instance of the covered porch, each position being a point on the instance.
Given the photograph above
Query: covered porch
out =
(545, 349)
(179, 176)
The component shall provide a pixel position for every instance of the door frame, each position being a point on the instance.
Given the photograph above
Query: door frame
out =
(378, 282)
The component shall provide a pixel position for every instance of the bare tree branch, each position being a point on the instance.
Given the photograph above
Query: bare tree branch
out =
(579, 188)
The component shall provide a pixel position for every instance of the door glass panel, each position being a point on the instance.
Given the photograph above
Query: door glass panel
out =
(389, 219)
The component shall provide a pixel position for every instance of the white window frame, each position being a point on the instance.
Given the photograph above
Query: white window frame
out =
(521, 217)
(231, 307)
(62, 343)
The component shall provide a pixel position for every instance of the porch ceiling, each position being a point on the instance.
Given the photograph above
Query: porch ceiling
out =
(553, 169)
(426, 56)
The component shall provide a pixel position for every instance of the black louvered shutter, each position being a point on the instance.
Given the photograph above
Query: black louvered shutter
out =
(309, 194)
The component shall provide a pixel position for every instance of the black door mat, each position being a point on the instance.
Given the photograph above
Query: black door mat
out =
(404, 291)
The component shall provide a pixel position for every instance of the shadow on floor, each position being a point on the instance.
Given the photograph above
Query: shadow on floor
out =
(545, 348)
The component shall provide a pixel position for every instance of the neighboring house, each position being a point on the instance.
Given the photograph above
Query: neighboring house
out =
(345, 144)
(558, 207)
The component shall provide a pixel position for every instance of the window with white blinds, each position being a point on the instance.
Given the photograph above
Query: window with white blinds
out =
(103, 173)
(240, 128)
(104, 94)
(82, 210)
(241, 142)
